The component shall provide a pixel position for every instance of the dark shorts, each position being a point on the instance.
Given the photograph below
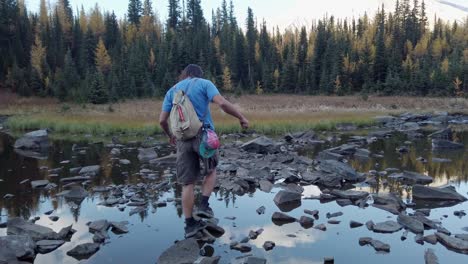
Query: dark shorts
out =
(189, 169)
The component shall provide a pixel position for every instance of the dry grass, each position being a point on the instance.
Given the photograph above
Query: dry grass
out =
(268, 113)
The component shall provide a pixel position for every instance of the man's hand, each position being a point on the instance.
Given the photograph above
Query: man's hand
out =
(172, 140)
(244, 123)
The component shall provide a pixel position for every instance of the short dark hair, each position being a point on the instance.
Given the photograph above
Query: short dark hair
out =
(191, 71)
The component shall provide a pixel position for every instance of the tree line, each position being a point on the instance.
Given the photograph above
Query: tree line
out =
(92, 56)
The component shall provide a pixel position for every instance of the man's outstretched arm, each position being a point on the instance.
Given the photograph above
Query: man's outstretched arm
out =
(229, 108)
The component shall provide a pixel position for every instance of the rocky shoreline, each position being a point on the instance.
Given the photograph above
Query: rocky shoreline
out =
(265, 164)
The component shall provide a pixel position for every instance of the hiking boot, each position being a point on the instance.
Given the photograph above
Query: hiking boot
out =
(192, 230)
(205, 211)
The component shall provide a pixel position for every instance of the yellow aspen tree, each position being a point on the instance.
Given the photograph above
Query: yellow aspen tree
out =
(96, 21)
(38, 53)
(103, 60)
(227, 79)
(83, 19)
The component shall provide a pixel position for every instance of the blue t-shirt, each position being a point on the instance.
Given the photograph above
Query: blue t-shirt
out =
(201, 93)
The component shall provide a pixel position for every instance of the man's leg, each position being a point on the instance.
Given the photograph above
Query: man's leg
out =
(209, 183)
(187, 200)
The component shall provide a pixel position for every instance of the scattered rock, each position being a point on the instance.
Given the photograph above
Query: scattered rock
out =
(453, 243)
(306, 222)
(411, 177)
(321, 227)
(350, 194)
(261, 145)
(241, 247)
(76, 192)
(437, 193)
(39, 183)
(354, 224)
(387, 227)
(99, 226)
(280, 219)
(90, 170)
(54, 218)
(269, 245)
(265, 186)
(334, 222)
(411, 223)
(370, 225)
(46, 246)
(286, 200)
(261, 210)
(35, 140)
(22, 246)
(84, 251)
(388, 202)
(18, 226)
(339, 168)
(431, 239)
(376, 244)
(430, 257)
(332, 215)
(119, 227)
(446, 144)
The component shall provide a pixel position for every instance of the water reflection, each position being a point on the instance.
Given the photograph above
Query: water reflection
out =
(156, 228)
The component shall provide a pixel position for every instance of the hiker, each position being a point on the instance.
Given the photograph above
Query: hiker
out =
(191, 149)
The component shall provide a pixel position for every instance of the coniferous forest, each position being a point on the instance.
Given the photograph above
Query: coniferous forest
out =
(93, 56)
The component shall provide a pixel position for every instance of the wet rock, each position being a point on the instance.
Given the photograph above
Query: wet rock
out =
(411, 177)
(306, 222)
(376, 244)
(261, 145)
(265, 186)
(286, 200)
(387, 227)
(35, 140)
(137, 210)
(404, 236)
(344, 202)
(332, 215)
(8, 196)
(66, 233)
(98, 226)
(115, 152)
(462, 236)
(431, 239)
(329, 260)
(446, 144)
(124, 162)
(90, 170)
(313, 213)
(282, 218)
(84, 251)
(430, 257)
(146, 154)
(46, 246)
(18, 226)
(334, 222)
(119, 227)
(388, 202)
(453, 243)
(370, 225)
(241, 247)
(350, 194)
(460, 214)
(76, 192)
(39, 183)
(75, 179)
(253, 260)
(437, 193)
(100, 237)
(22, 246)
(411, 223)
(269, 245)
(354, 224)
(261, 210)
(339, 168)
(321, 227)
(54, 218)
(440, 160)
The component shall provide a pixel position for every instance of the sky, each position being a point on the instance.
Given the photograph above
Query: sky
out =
(283, 13)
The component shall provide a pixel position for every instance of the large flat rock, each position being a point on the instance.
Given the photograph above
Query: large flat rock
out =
(185, 251)
(447, 193)
(261, 145)
(411, 177)
(18, 226)
(22, 246)
(411, 223)
(84, 251)
(453, 243)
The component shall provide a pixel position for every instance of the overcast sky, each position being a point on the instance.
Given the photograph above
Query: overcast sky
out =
(276, 12)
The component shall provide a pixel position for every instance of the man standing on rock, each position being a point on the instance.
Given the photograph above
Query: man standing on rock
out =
(200, 92)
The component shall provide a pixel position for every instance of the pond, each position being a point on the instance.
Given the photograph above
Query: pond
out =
(157, 228)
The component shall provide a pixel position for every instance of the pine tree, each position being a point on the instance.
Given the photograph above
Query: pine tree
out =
(98, 94)
(251, 42)
(134, 11)
(380, 65)
(174, 14)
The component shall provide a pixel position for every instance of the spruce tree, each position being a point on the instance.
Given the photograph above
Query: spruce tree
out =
(134, 11)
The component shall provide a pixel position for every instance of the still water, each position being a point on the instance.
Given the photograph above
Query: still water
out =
(155, 230)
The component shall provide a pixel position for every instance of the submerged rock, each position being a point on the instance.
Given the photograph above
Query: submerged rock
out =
(411, 177)
(261, 145)
(22, 246)
(282, 218)
(84, 251)
(46, 246)
(437, 193)
(430, 257)
(389, 202)
(387, 227)
(18, 226)
(411, 223)
(453, 243)
(350, 194)
(376, 244)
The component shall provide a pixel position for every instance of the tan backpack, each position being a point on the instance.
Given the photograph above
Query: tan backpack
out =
(184, 120)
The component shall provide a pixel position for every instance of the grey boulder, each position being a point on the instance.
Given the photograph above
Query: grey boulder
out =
(22, 246)
(18, 226)
(387, 227)
(46, 246)
(437, 193)
(411, 177)
(411, 223)
(185, 251)
(83, 251)
(39, 183)
(446, 144)
(453, 243)
(261, 145)
(146, 154)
